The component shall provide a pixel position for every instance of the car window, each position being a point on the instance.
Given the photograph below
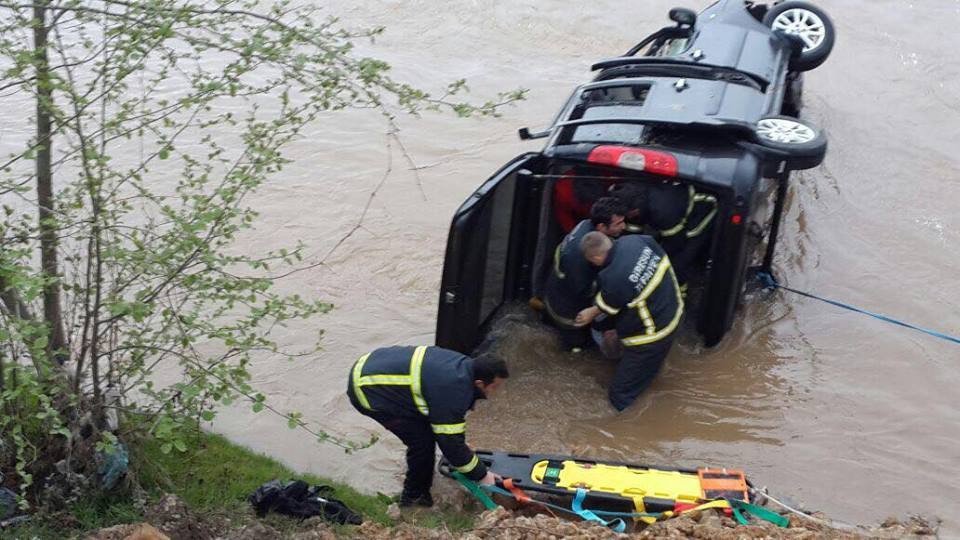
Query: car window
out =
(501, 215)
(620, 133)
(613, 102)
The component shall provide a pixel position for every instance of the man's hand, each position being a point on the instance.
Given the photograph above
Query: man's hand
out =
(491, 478)
(587, 316)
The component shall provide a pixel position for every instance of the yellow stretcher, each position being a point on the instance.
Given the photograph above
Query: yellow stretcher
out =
(619, 487)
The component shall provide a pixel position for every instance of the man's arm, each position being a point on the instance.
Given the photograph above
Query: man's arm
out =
(451, 438)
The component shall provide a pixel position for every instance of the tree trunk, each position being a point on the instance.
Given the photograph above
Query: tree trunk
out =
(52, 313)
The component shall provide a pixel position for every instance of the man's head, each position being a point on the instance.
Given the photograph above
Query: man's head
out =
(608, 216)
(633, 196)
(595, 247)
(489, 373)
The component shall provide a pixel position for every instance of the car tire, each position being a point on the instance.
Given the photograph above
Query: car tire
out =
(809, 23)
(800, 144)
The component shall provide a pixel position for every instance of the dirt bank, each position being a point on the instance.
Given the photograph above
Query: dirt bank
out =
(171, 518)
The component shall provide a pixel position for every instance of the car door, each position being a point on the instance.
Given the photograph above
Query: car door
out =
(489, 253)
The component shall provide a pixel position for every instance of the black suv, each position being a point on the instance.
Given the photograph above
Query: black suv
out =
(711, 102)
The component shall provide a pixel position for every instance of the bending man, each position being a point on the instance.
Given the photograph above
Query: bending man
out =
(570, 286)
(422, 394)
(640, 301)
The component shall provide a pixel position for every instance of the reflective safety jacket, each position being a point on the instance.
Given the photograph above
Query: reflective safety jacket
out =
(638, 289)
(431, 383)
(676, 212)
(570, 286)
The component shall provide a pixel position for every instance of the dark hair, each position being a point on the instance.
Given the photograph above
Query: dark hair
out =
(633, 195)
(487, 367)
(602, 211)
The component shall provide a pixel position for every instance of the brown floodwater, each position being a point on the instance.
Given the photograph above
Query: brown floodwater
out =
(833, 410)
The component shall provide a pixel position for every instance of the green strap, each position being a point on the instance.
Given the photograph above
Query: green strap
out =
(474, 489)
(757, 511)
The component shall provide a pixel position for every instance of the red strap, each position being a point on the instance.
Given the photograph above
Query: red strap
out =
(518, 493)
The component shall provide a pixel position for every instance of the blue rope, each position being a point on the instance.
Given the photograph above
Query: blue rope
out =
(771, 282)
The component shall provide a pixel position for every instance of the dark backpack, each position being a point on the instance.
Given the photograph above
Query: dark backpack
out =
(299, 499)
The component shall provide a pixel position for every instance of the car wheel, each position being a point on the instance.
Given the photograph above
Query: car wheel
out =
(810, 24)
(798, 143)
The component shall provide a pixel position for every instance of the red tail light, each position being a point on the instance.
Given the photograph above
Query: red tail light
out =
(637, 159)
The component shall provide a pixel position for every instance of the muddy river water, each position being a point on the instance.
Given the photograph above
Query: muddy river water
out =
(834, 410)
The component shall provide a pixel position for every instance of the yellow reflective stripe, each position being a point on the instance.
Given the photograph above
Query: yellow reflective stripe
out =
(662, 268)
(471, 465)
(710, 199)
(556, 263)
(631, 228)
(675, 229)
(646, 317)
(644, 339)
(691, 196)
(357, 371)
(559, 318)
(449, 429)
(384, 379)
(416, 362)
(603, 305)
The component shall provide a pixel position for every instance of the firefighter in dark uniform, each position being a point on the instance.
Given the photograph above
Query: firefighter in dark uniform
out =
(421, 394)
(638, 303)
(570, 285)
(679, 217)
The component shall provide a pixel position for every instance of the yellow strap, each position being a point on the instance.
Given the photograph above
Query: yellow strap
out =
(471, 465)
(705, 506)
(449, 429)
(357, 390)
(416, 362)
(643, 339)
(603, 305)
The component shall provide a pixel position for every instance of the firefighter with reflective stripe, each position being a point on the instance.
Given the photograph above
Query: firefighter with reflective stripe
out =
(570, 285)
(677, 215)
(422, 394)
(638, 303)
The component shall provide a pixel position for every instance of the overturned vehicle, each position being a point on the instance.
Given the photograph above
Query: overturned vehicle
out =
(711, 103)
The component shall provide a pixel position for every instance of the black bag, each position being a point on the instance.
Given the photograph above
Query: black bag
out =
(299, 499)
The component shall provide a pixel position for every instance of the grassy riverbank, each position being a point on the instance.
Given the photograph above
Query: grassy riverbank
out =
(213, 477)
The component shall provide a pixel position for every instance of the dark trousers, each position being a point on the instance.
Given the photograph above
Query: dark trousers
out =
(636, 370)
(421, 448)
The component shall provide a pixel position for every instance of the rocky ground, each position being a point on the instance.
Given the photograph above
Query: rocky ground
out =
(171, 519)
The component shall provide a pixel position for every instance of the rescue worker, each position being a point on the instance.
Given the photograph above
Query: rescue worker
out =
(421, 394)
(678, 216)
(570, 285)
(638, 305)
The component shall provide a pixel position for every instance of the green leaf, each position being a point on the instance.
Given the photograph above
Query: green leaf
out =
(258, 406)
(180, 445)
(166, 448)
(208, 415)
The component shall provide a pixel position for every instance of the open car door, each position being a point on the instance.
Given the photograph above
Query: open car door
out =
(489, 255)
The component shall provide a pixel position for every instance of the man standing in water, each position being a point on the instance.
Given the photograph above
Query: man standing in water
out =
(570, 286)
(422, 394)
(640, 301)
